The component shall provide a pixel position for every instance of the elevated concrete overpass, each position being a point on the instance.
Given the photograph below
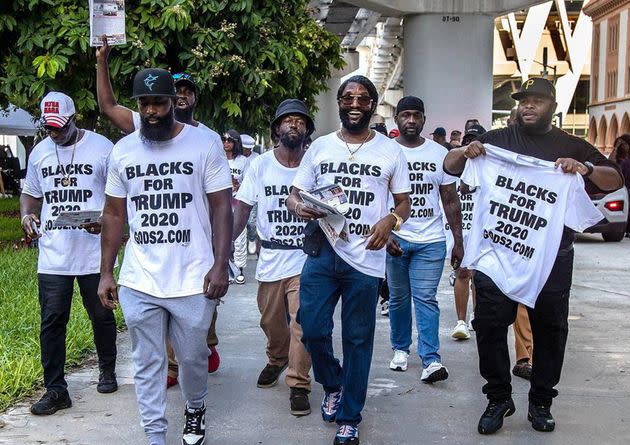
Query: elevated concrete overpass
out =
(446, 56)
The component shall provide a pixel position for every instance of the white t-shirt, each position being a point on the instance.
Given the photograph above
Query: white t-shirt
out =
(426, 174)
(170, 246)
(68, 250)
(238, 167)
(522, 206)
(378, 169)
(467, 201)
(268, 182)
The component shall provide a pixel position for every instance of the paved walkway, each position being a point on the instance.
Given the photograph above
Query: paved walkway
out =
(593, 407)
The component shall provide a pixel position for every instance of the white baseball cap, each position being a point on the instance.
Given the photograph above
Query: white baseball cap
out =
(248, 141)
(57, 109)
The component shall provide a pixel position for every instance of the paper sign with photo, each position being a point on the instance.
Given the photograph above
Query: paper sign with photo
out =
(107, 17)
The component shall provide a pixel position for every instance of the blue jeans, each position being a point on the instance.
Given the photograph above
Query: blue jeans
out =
(416, 275)
(324, 279)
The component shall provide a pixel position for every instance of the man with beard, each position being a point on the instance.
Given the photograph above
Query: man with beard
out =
(67, 170)
(416, 253)
(164, 178)
(128, 121)
(267, 183)
(368, 166)
(533, 135)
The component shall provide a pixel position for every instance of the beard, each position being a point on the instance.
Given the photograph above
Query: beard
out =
(160, 131)
(360, 125)
(184, 115)
(538, 127)
(291, 142)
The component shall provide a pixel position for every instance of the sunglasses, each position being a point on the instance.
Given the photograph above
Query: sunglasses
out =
(227, 139)
(183, 76)
(348, 100)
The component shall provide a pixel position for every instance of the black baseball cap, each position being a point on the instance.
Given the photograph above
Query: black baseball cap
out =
(536, 85)
(475, 130)
(440, 131)
(410, 103)
(153, 82)
(185, 79)
(293, 106)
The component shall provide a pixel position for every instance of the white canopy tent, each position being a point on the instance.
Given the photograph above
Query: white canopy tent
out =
(16, 122)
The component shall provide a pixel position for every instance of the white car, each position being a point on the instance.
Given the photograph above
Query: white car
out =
(614, 207)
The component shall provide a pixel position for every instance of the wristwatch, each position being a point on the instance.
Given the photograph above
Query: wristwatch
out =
(399, 221)
(589, 165)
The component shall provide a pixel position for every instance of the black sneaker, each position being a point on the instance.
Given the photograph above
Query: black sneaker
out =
(194, 426)
(492, 418)
(300, 406)
(107, 382)
(51, 402)
(541, 418)
(269, 375)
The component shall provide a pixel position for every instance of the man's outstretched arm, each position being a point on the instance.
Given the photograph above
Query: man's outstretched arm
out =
(120, 116)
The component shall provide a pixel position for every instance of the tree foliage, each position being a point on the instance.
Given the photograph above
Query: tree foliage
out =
(246, 55)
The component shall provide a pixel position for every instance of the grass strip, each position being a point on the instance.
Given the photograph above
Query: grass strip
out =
(20, 367)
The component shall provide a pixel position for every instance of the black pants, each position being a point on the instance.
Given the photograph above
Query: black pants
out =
(494, 313)
(55, 298)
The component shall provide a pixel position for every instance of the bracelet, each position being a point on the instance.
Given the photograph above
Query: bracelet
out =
(23, 218)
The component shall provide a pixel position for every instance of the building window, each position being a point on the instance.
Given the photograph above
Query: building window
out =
(613, 36)
(611, 84)
(594, 84)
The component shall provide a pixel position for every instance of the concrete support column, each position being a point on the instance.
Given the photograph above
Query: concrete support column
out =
(327, 117)
(448, 64)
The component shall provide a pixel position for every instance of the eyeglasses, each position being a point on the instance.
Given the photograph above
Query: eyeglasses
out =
(348, 100)
(227, 139)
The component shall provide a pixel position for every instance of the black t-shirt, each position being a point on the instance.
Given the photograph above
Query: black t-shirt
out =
(549, 147)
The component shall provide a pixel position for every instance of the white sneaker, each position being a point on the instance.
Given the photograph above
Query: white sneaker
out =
(399, 362)
(385, 308)
(461, 331)
(240, 278)
(251, 247)
(434, 373)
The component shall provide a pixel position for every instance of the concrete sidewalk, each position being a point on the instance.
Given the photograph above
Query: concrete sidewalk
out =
(593, 406)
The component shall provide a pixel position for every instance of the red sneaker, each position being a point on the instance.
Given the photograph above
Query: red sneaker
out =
(214, 360)
(171, 381)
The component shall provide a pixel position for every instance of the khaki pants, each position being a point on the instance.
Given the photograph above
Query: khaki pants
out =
(278, 302)
(211, 339)
(522, 335)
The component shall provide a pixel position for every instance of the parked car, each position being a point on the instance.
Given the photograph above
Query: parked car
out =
(614, 207)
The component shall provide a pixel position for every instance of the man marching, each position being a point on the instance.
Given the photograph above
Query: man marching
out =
(163, 180)
(67, 171)
(267, 183)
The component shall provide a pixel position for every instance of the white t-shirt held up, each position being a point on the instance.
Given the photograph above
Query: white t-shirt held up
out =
(522, 206)
(379, 168)
(170, 246)
(268, 183)
(426, 174)
(68, 250)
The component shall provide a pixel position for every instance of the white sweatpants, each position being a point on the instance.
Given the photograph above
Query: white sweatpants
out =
(240, 250)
